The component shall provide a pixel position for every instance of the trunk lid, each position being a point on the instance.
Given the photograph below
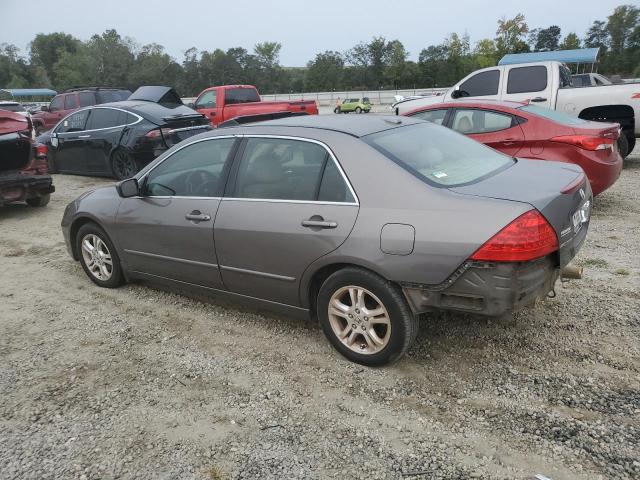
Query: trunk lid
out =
(541, 184)
(15, 141)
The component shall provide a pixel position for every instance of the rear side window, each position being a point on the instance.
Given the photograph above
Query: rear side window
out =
(475, 120)
(437, 155)
(104, 118)
(240, 95)
(86, 99)
(553, 115)
(284, 169)
(69, 102)
(527, 79)
(196, 170)
(482, 84)
(433, 116)
(207, 100)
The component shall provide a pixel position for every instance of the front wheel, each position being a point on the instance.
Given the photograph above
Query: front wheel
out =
(123, 165)
(98, 256)
(365, 317)
(358, 110)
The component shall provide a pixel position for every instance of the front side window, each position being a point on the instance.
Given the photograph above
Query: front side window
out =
(207, 100)
(196, 170)
(69, 102)
(56, 104)
(527, 79)
(433, 116)
(438, 155)
(480, 121)
(284, 169)
(74, 123)
(482, 84)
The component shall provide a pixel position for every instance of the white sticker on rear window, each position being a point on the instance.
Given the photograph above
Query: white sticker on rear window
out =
(439, 174)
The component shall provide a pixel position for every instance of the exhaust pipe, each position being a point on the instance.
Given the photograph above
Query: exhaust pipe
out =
(571, 272)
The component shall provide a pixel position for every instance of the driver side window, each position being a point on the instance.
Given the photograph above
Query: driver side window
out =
(74, 122)
(481, 84)
(207, 100)
(194, 171)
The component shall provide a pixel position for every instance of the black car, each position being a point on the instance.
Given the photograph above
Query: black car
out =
(117, 139)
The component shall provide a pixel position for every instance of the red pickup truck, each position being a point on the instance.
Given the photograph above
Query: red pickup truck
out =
(229, 102)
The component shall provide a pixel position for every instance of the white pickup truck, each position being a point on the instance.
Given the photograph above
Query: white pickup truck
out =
(547, 84)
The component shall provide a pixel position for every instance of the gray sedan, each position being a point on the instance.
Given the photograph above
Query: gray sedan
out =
(362, 223)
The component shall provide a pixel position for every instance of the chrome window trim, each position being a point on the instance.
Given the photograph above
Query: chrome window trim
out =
(98, 129)
(269, 200)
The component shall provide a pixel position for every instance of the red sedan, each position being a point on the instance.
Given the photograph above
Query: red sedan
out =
(527, 131)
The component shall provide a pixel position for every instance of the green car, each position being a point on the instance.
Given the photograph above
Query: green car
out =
(357, 105)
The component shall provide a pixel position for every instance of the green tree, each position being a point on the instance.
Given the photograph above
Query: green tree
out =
(325, 72)
(547, 39)
(112, 57)
(396, 71)
(570, 42)
(152, 63)
(485, 53)
(46, 50)
(511, 34)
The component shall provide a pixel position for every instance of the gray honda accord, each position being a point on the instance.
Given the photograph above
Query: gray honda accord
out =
(363, 223)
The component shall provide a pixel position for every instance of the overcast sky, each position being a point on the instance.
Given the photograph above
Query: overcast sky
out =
(304, 27)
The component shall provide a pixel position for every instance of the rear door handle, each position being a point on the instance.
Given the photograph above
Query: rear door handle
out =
(197, 216)
(319, 224)
(84, 136)
(538, 99)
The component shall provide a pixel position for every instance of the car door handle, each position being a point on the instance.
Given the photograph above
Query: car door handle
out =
(197, 216)
(84, 136)
(538, 99)
(319, 224)
(213, 114)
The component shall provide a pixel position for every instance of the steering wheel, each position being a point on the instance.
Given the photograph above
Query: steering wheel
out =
(201, 183)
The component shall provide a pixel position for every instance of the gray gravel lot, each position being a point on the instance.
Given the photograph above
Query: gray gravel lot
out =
(140, 383)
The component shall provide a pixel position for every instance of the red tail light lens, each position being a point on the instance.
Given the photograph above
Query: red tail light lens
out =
(586, 142)
(526, 238)
(157, 133)
(41, 151)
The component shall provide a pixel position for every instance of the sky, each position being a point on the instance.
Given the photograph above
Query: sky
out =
(303, 27)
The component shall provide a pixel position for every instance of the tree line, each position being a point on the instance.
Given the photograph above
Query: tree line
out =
(60, 61)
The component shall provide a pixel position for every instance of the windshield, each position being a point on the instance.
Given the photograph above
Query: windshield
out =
(438, 155)
(12, 107)
(552, 115)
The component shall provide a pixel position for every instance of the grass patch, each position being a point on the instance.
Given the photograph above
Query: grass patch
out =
(622, 271)
(213, 473)
(595, 262)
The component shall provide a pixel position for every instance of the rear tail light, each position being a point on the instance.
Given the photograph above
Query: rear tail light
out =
(586, 142)
(41, 151)
(526, 238)
(157, 133)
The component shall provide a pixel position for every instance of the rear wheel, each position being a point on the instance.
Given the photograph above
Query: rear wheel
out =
(39, 201)
(358, 110)
(623, 145)
(98, 256)
(123, 165)
(365, 317)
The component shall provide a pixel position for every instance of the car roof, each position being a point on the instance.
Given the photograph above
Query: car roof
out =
(480, 103)
(155, 112)
(357, 126)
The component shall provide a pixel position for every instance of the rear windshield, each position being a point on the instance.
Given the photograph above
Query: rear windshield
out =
(12, 107)
(240, 95)
(553, 115)
(438, 155)
(106, 96)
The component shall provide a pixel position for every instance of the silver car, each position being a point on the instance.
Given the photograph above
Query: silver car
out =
(362, 223)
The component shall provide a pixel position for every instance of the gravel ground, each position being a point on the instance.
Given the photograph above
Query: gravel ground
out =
(141, 383)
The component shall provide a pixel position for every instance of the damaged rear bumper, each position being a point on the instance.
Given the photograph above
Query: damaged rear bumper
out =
(486, 288)
(15, 187)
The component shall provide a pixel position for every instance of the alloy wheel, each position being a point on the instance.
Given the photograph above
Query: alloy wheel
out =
(359, 320)
(97, 257)
(123, 165)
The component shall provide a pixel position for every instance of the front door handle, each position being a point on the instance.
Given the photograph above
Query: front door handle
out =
(538, 99)
(84, 136)
(197, 216)
(319, 224)
(213, 114)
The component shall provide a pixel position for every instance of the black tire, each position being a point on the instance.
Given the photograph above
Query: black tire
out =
(39, 129)
(39, 201)
(117, 277)
(403, 323)
(123, 165)
(358, 110)
(336, 110)
(623, 145)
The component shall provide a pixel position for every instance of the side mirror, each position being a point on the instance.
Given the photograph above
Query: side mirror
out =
(44, 108)
(456, 93)
(128, 188)
(191, 105)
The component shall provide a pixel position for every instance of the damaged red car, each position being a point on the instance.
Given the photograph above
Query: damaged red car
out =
(23, 163)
